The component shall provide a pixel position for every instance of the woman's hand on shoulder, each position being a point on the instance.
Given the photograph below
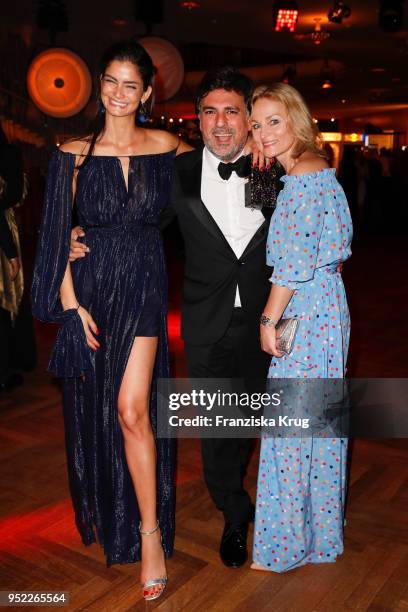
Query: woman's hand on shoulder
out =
(309, 164)
(258, 158)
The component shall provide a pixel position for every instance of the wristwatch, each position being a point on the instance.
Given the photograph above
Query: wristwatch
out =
(267, 322)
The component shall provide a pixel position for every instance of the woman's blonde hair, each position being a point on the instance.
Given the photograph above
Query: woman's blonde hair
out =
(307, 136)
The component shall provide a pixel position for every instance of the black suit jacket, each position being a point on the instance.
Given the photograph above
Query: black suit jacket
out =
(212, 270)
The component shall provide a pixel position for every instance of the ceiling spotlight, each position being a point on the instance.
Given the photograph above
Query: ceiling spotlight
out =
(339, 12)
(391, 15)
(285, 15)
(327, 76)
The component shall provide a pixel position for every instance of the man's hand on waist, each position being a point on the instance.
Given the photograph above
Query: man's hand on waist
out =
(77, 249)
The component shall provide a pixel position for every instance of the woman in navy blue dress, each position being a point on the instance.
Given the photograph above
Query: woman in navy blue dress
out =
(112, 344)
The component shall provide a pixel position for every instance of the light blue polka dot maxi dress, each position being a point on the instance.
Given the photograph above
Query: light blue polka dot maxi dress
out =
(301, 481)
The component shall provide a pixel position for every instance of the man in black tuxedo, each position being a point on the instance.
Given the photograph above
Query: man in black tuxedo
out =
(226, 280)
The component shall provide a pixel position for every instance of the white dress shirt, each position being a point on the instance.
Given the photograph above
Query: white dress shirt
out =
(225, 201)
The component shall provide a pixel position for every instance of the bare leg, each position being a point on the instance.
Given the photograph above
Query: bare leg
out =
(140, 449)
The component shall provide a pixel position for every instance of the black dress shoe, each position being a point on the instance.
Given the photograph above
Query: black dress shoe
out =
(233, 547)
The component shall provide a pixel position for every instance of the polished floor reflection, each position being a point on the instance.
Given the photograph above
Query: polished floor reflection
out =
(40, 548)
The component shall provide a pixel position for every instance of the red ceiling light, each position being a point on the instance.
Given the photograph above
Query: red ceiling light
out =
(119, 22)
(285, 15)
(189, 5)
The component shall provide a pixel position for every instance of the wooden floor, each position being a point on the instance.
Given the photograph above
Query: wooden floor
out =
(40, 548)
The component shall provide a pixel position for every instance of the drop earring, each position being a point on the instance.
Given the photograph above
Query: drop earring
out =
(143, 114)
(100, 107)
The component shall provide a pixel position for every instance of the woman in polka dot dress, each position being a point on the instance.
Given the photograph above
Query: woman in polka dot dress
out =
(301, 481)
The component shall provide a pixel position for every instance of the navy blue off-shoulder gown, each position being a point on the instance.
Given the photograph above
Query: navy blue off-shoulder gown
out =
(118, 282)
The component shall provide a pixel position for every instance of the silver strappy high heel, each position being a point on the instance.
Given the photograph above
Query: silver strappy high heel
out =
(154, 581)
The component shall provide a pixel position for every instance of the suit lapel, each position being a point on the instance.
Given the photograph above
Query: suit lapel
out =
(262, 233)
(267, 213)
(191, 185)
(259, 237)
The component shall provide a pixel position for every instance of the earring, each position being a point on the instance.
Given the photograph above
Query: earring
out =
(100, 107)
(143, 113)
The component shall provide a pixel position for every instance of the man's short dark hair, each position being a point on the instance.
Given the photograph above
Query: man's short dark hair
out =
(227, 78)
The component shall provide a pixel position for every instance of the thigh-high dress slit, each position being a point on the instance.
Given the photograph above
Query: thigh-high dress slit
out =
(122, 283)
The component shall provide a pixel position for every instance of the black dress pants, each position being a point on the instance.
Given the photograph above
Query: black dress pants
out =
(236, 355)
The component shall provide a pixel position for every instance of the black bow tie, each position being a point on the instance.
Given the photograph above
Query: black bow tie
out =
(242, 167)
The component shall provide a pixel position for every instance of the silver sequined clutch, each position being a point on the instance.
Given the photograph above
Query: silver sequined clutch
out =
(285, 334)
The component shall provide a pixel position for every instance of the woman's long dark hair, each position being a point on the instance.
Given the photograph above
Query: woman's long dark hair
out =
(126, 51)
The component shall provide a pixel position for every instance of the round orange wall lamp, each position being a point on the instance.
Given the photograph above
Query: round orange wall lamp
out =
(59, 82)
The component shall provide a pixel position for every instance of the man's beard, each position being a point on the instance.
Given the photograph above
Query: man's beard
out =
(228, 155)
